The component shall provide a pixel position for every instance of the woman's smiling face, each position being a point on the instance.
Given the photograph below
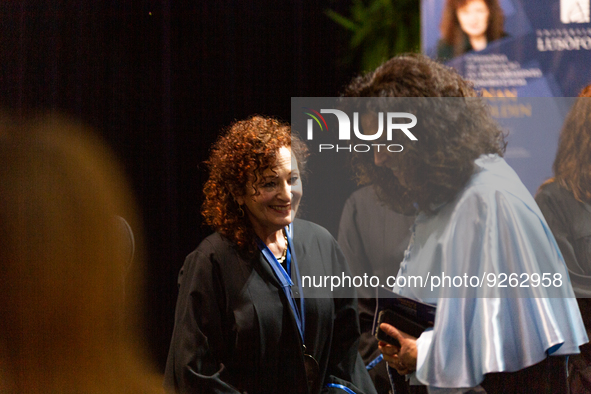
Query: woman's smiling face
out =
(473, 18)
(272, 198)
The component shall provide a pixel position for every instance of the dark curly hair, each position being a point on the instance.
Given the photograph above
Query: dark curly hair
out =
(245, 150)
(454, 128)
(572, 166)
(451, 31)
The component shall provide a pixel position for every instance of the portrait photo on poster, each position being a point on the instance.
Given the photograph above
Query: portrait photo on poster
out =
(451, 28)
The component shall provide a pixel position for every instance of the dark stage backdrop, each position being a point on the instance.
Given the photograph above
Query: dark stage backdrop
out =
(159, 80)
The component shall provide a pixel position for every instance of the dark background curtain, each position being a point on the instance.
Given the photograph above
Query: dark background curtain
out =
(159, 80)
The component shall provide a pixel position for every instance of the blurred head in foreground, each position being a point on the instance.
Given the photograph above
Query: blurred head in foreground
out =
(62, 263)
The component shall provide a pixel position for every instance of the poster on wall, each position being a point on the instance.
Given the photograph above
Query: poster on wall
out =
(536, 48)
(526, 57)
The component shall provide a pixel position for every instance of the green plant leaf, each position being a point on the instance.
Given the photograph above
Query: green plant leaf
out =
(380, 29)
(341, 20)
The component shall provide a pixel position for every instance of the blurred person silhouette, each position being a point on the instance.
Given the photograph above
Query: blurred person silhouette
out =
(64, 254)
(474, 217)
(565, 201)
(373, 238)
(469, 25)
(243, 321)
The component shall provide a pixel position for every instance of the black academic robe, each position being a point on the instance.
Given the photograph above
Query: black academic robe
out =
(570, 222)
(235, 331)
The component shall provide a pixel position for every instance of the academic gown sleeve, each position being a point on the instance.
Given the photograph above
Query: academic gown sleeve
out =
(194, 360)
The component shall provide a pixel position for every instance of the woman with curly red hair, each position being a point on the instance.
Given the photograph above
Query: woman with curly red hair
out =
(242, 321)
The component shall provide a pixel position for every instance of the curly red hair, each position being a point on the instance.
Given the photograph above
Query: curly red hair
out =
(245, 150)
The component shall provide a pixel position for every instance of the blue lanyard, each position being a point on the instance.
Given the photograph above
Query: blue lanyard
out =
(340, 386)
(285, 278)
(374, 362)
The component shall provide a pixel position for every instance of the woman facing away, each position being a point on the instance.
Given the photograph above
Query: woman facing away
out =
(475, 219)
(63, 328)
(469, 25)
(565, 201)
(244, 322)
